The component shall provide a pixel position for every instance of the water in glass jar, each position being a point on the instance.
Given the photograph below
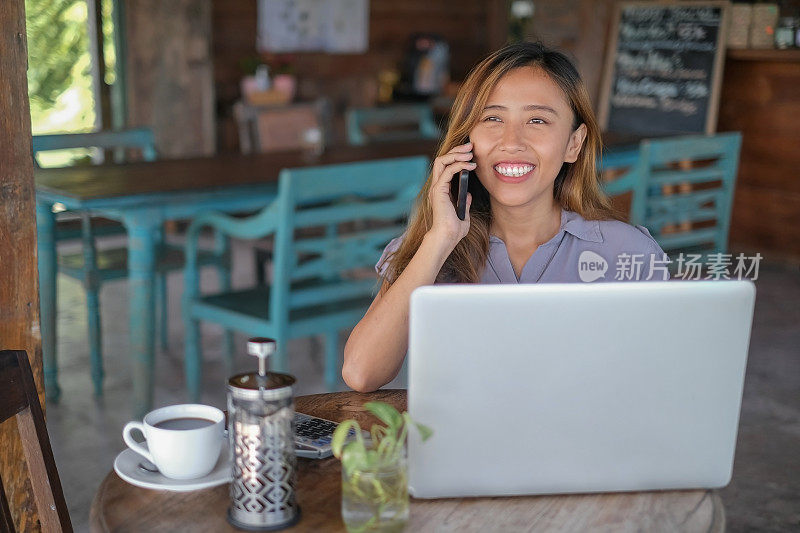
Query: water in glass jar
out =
(375, 500)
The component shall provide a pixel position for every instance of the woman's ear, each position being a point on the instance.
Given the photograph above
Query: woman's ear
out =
(575, 143)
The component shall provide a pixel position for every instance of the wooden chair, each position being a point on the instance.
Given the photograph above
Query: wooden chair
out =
(18, 398)
(324, 278)
(278, 128)
(391, 123)
(90, 267)
(682, 190)
(141, 139)
(119, 144)
(94, 267)
(622, 166)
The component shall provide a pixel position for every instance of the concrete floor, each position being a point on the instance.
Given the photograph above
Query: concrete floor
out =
(86, 433)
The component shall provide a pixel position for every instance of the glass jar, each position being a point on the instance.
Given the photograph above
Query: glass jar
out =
(375, 497)
(784, 33)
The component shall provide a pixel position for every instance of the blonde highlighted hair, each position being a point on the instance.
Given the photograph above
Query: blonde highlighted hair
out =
(576, 188)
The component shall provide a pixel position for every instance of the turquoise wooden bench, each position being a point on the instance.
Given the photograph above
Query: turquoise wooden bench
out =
(92, 267)
(401, 122)
(330, 225)
(682, 190)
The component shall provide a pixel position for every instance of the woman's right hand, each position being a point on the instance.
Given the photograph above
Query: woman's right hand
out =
(446, 224)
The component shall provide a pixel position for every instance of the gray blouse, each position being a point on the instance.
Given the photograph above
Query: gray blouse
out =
(582, 251)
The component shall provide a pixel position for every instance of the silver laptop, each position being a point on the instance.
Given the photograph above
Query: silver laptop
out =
(565, 388)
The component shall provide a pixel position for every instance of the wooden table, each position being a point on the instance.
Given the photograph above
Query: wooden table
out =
(118, 506)
(145, 195)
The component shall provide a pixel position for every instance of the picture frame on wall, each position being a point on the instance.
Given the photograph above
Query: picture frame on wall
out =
(333, 26)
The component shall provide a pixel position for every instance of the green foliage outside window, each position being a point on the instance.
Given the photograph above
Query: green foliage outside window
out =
(59, 74)
(59, 69)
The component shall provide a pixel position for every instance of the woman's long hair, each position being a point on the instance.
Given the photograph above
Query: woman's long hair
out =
(576, 188)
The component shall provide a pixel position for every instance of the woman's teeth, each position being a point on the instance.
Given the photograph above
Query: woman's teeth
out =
(513, 170)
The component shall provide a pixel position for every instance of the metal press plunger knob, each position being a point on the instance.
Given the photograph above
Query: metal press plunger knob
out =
(262, 348)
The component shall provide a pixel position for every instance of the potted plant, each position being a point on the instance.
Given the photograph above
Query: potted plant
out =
(269, 79)
(281, 68)
(374, 474)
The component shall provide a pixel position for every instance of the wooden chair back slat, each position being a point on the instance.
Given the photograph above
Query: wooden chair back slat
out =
(328, 292)
(703, 214)
(365, 179)
(23, 403)
(349, 210)
(691, 147)
(694, 176)
(344, 251)
(692, 239)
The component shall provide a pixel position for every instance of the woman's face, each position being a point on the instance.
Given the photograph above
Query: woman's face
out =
(523, 137)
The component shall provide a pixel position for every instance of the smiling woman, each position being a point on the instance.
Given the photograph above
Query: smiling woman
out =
(520, 149)
(523, 126)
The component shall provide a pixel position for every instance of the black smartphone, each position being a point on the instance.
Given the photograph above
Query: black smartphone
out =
(461, 201)
(458, 191)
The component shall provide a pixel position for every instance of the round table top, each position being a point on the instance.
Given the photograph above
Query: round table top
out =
(119, 506)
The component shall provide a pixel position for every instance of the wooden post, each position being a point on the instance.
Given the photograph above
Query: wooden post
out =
(19, 286)
(178, 107)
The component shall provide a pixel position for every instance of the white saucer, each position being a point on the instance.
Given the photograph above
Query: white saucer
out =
(126, 465)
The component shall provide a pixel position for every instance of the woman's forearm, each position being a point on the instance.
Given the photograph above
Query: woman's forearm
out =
(377, 345)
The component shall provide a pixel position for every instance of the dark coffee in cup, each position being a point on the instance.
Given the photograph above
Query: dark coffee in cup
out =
(184, 423)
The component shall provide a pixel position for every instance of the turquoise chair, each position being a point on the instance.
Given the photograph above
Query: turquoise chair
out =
(682, 190)
(624, 164)
(401, 122)
(139, 139)
(330, 225)
(93, 267)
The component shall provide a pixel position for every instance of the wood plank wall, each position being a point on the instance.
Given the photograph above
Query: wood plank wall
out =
(580, 28)
(761, 98)
(19, 286)
(767, 205)
(170, 87)
(472, 27)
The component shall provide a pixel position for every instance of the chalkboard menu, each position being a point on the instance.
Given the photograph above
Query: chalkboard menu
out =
(663, 68)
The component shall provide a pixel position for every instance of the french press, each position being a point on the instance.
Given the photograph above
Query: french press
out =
(261, 434)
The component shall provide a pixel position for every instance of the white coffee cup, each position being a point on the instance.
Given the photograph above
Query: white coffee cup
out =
(180, 453)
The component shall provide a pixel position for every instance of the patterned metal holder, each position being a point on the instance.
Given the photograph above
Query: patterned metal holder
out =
(261, 432)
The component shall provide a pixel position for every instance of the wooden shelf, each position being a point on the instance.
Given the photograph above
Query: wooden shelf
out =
(768, 54)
